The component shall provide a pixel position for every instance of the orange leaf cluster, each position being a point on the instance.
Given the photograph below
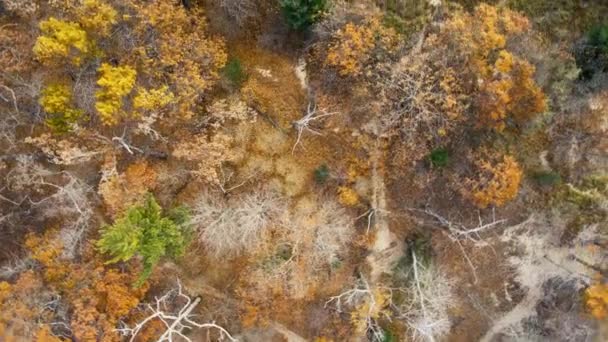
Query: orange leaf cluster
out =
(496, 182)
(596, 300)
(353, 45)
(506, 87)
(98, 296)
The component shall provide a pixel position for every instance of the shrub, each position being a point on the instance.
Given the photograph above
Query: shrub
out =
(321, 174)
(592, 56)
(547, 178)
(144, 231)
(439, 157)
(234, 72)
(300, 14)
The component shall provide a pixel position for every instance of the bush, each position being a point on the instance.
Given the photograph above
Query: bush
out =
(300, 14)
(145, 232)
(592, 56)
(321, 174)
(439, 157)
(234, 72)
(547, 178)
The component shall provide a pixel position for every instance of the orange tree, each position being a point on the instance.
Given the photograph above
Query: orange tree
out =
(503, 80)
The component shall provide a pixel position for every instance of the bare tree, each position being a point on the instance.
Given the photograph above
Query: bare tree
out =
(304, 123)
(176, 322)
(362, 296)
(53, 194)
(237, 225)
(430, 297)
(240, 10)
(425, 309)
(458, 232)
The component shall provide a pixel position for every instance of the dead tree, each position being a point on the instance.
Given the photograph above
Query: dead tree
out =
(176, 323)
(304, 123)
(362, 295)
(458, 232)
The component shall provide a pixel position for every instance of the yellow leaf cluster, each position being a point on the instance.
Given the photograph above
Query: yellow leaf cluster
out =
(596, 300)
(347, 196)
(353, 45)
(56, 98)
(97, 16)
(153, 99)
(496, 183)
(115, 83)
(61, 39)
(371, 308)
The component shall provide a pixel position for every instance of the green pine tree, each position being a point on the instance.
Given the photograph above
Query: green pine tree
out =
(145, 232)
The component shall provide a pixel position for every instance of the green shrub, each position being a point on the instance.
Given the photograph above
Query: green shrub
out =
(234, 72)
(300, 14)
(592, 56)
(388, 336)
(439, 157)
(145, 232)
(321, 174)
(547, 178)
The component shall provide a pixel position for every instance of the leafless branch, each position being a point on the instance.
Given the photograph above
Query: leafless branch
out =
(176, 322)
(304, 123)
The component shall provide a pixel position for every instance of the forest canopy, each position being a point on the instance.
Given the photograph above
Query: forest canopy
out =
(303, 170)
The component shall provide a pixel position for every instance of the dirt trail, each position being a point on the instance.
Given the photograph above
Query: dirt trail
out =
(387, 249)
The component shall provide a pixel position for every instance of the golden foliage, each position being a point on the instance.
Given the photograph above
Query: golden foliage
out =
(596, 300)
(97, 16)
(347, 196)
(353, 45)
(119, 191)
(496, 183)
(115, 83)
(180, 51)
(60, 40)
(167, 47)
(57, 100)
(154, 99)
(506, 85)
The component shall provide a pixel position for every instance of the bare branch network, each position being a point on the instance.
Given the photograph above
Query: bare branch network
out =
(304, 123)
(176, 323)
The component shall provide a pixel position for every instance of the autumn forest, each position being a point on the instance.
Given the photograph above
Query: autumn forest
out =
(303, 170)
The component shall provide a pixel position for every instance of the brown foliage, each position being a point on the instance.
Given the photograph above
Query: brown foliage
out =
(120, 191)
